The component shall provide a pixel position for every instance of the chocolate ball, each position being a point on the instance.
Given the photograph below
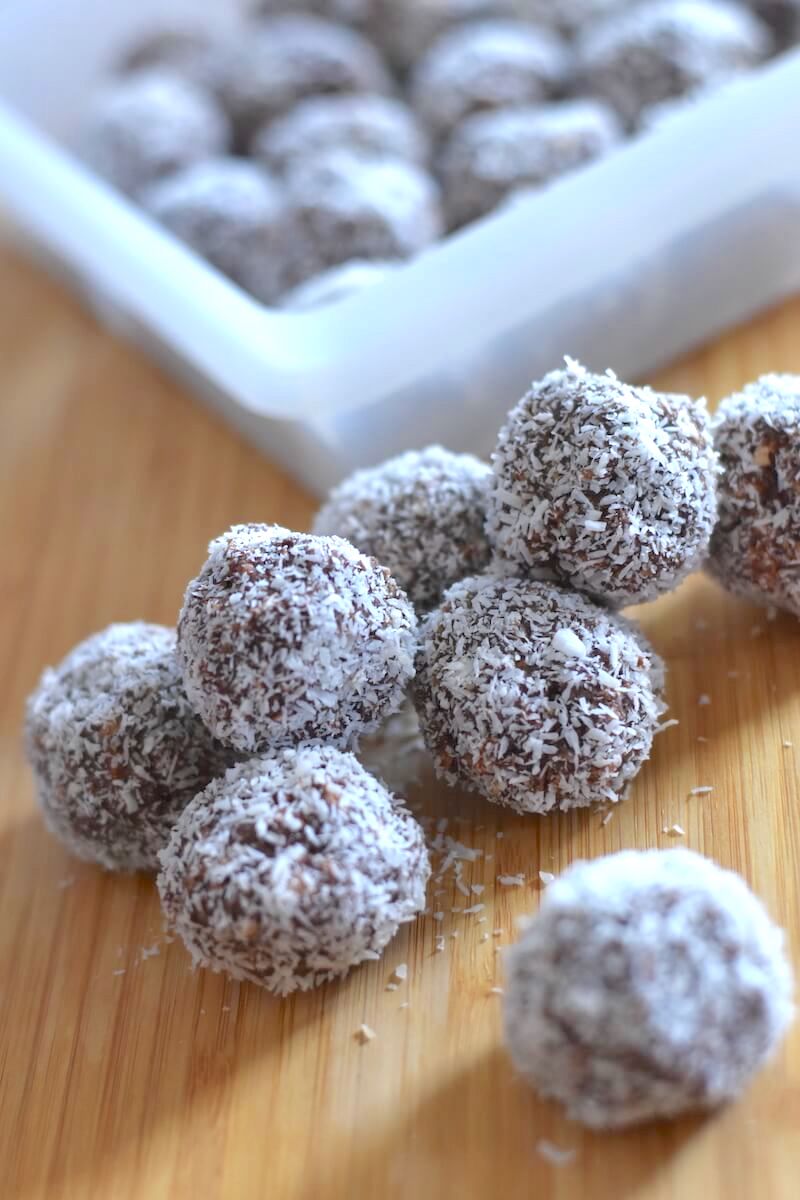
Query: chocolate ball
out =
(755, 550)
(293, 869)
(285, 59)
(287, 638)
(649, 984)
(667, 48)
(536, 698)
(420, 514)
(232, 213)
(607, 488)
(151, 124)
(377, 126)
(493, 155)
(345, 206)
(116, 749)
(485, 65)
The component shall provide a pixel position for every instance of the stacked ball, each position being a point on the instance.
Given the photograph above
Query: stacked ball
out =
(650, 984)
(224, 753)
(326, 133)
(529, 688)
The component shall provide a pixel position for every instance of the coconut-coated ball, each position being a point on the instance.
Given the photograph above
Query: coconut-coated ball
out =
(346, 206)
(364, 124)
(232, 213)
(608, 487)
(535, 697)
(492, 155)
(116, 749)
(285, 59)
(755, 550)
(648, 985)
(421, 514)
(485, 65)
(291, 870)
(150, 124)
(666, 48)
(287, 638)
(337, 283)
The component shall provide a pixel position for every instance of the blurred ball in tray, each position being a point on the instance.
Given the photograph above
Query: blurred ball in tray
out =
(234, 214)
(285, 59)
(346, 206)
(667, 48)
(483, 66)
(491, 156)
(150, 124)
(371, 125)
(483, 99)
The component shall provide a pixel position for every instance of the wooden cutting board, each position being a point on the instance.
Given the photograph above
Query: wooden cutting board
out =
(126, 1076)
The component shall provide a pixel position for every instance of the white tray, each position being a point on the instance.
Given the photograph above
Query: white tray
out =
(625, 263)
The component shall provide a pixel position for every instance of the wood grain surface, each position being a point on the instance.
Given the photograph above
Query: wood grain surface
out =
(126, 1076)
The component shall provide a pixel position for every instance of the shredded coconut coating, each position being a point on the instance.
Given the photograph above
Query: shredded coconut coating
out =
(664, 48)
(493, 155)
(397, 753)
(287, 58)
(755, 550)
(364, 124)
(287, 638)
(336, 284)
(232, 213)
(115, 747)
(345, 206)
(406, 29)
(151, 124)
(536, 698)
(648, 985)
(293, 869)
(421, 514)
(485, 65)
(609, 488)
